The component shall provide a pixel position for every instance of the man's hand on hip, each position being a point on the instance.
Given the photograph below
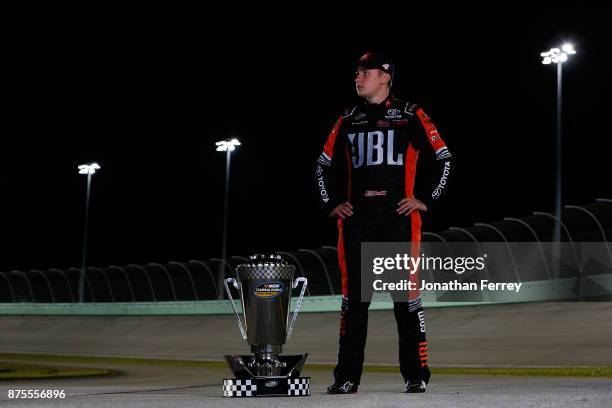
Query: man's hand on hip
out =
(408, 205)
(342, 211)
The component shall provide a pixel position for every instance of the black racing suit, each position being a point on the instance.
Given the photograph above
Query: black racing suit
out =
(370, 160)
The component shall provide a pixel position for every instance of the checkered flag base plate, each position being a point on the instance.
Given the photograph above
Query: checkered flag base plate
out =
(299, 387)
(239, 388)
(267, 387)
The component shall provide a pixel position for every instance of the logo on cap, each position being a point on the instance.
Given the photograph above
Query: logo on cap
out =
(385, 66)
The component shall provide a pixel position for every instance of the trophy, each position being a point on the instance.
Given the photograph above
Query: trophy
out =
(265, 285)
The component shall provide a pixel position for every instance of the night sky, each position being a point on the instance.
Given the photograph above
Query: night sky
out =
(147, 101)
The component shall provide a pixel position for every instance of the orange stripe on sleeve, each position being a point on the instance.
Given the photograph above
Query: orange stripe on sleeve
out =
(328, 149)
(433, 136)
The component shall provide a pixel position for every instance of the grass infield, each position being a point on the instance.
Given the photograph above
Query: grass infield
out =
(41, 371)
(19, 371)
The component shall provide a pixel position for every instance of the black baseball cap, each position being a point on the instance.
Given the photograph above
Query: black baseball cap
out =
(372, 60)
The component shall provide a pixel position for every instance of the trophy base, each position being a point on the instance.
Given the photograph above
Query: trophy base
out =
(285, 381)
(267, 387)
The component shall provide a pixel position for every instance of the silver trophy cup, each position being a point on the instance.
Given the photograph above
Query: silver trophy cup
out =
(265, 285)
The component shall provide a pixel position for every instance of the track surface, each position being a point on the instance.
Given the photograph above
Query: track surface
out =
(557, 334)
(140, 386)
(545, 334)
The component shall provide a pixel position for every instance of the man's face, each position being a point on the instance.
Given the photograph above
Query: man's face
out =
(370, 82)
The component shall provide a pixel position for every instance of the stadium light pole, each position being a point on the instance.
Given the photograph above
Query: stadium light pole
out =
(227, 146)
(88, 169)
(558, 56)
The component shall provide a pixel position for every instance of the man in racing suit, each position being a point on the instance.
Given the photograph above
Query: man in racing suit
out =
(365, 178)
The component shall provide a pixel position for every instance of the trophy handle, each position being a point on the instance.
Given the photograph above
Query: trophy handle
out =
(299, 302)
(236, 285)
